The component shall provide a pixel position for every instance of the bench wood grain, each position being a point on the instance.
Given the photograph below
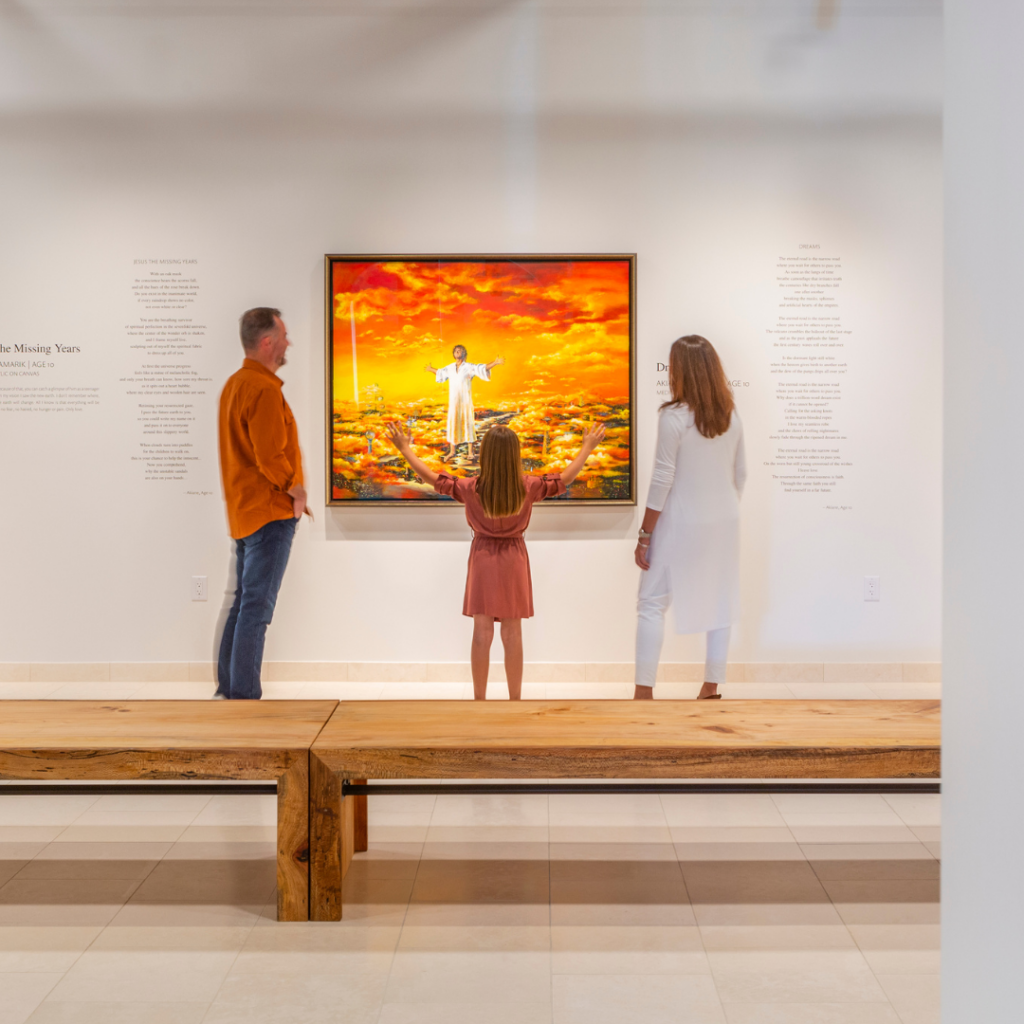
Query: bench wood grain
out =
(179, 739)
(595, 739)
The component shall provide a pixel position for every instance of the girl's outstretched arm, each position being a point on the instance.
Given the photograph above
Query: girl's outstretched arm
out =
(591, 439)
(403, 442)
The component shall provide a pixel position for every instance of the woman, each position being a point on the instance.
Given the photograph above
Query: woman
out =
(689, 542)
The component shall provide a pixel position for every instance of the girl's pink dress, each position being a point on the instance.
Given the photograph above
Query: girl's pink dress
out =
(498, 582)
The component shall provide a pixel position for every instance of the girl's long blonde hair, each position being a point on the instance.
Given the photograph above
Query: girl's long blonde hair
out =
(696, 379)
(500, 486)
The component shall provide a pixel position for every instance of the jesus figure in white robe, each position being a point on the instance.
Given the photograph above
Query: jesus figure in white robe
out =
(461, 428)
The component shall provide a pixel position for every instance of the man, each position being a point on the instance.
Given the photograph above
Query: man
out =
(461, 427)
(261, 468)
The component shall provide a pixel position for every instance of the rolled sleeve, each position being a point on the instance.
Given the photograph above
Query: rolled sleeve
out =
(548, 486)
(448, 484)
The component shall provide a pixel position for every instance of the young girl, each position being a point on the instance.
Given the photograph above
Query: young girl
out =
(498, 505)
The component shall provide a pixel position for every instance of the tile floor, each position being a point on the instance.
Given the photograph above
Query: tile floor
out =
(733, 909)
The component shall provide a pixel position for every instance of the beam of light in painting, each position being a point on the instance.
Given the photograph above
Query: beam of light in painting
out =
(355, 360)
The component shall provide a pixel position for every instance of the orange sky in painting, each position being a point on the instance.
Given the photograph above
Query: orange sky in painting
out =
(562, 327)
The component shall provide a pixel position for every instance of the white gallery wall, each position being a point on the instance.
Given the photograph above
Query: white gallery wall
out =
(223, 149)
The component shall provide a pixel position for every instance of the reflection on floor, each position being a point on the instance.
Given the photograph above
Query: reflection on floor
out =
(733, 909)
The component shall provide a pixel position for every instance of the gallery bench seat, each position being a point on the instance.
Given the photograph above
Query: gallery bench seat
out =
(179, 739)
(594, 739)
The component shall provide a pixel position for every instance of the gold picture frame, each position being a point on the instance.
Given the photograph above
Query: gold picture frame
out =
(556, 334)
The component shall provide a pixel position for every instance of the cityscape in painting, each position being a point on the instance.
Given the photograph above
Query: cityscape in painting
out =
(451, 347)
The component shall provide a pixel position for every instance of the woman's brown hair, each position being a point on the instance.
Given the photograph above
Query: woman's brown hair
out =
(500, 486)
(697, 380)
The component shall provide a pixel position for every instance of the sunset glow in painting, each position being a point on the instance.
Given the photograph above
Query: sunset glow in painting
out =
(543, 345)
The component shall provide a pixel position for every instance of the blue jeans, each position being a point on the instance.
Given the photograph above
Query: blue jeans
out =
(260, 559)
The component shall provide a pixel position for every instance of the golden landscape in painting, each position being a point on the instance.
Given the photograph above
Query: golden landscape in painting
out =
(451, 346)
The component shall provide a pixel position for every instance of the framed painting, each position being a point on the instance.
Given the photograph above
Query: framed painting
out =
(449, 346)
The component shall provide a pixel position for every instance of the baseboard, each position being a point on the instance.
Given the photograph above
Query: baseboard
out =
(458, 672)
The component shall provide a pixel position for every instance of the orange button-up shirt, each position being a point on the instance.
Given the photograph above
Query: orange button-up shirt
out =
(260, 459)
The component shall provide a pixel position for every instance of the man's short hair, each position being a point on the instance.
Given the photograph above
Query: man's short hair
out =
(255, 324)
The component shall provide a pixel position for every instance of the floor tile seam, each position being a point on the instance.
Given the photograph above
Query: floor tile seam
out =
(551, 912)
(190, 902)
(380, 1008)
(34, 974)
(79, 878)
(907, 824)
(238, 953)
(739, 842)
(848, 824)
(682, 880)
(105, 903)
(700, 935)
(909, 1019)
(547, 821)
(864, 968)
(878, 976)
(155, 796)
(718, 994)
(833, 999)
(46, 996)
(99, 934)
(405, 909)
(90, 945)
(92, 803)
(819, 1002)
(128, 898)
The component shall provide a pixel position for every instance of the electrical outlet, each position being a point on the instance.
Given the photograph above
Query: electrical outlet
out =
(198, 588)
(872, 588)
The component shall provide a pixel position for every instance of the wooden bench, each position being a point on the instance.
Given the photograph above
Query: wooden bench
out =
(179, 739)
(596, 739)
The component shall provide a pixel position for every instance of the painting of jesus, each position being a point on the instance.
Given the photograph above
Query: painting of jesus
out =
(542, 344)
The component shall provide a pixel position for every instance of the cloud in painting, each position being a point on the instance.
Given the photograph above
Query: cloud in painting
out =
(569, 315)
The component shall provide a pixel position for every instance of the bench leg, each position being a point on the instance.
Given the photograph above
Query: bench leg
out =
(293, 842)
(361, 835)
(332, 840)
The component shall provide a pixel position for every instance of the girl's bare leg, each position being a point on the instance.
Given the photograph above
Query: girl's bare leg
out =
(480, 654)
(512, 641)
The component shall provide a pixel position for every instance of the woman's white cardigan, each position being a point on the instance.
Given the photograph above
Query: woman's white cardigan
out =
(696, 485)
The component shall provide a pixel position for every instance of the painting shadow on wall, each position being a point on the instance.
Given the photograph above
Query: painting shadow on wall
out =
(447, 523)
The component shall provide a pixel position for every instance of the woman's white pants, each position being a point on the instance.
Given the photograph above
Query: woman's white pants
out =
(654, 600)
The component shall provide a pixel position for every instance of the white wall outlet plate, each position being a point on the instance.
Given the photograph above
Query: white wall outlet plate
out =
(198, 588)
(872, 588)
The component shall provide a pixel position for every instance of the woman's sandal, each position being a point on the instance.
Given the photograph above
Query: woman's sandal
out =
(711, 696)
